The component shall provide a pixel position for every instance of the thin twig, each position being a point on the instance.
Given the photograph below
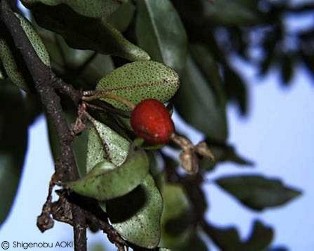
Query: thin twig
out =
(47, 85)
(66, 89)
(43, 79)
(104, 106)
(98, 94)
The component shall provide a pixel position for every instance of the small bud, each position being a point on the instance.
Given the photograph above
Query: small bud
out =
(189, 154)
(203, 150)
(189, 161)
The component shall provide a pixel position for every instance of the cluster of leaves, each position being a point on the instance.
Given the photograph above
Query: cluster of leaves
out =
(130, 48)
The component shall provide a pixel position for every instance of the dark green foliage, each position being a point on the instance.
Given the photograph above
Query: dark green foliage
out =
(195, 95)
(13, 138)
(83, 32)
(228, 238)
(140, 80)
(162, 36)
(136, 216)
(258, 192)
(191, 44)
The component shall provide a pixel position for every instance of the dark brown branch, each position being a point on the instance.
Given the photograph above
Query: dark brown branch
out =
(96, 218)
(44, 83)
(66, 89)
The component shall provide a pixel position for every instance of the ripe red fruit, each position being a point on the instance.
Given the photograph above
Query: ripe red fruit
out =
(151, 121)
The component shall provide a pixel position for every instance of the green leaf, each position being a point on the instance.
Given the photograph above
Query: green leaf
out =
(54, 47)
(113, 146)
(83, 32)
(96, 151)
(1, 71)
(13, 138)
(140, 80)
(161, 33)
(11, 65)
(83, 68)
(106, 181)
(232, 13)
(236, 90)
(79, 143)
(136, 216)
(258, 192)
(80, 148)
(260, 238)
(224, 153)
(228, 238)
(196, 103)
(96, 69)
(209, 67)
(95, 8)
(53, 139)
(122, 18)
(11, 58)
(270, 47)
(98, 142)
(175, 221)
(225, 238)
(287, 63)
(195, 243)
(227, 152)
(35, 40)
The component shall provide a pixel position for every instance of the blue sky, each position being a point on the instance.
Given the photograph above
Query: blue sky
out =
(278, 136)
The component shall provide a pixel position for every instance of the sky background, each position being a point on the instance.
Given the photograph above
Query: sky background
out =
(277, 135)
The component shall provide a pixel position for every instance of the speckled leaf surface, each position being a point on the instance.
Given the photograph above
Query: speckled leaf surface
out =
(98, 143)
(95, 8)
(140, 80)
(106, 180)
(11, 66)
(114, 147)
(136, 216)
(95, 150)
(35, 40)
(12, 61)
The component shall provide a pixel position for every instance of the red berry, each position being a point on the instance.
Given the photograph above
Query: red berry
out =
(151, 121)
